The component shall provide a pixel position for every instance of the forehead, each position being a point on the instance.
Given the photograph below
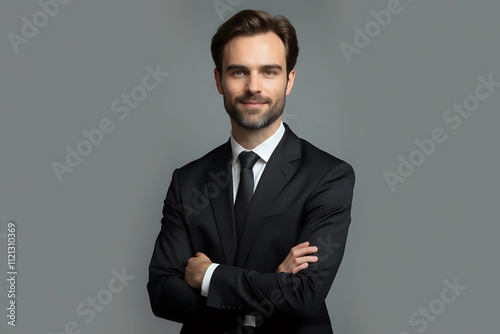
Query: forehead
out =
(254, 50)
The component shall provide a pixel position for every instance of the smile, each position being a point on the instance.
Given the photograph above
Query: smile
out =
(253, 104)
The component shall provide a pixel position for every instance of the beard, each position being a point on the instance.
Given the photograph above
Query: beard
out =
(240, 114)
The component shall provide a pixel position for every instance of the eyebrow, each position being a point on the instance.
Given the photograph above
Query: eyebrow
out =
(263, 67)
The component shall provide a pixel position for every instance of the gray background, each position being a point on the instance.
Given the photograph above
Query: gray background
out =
(440, 224)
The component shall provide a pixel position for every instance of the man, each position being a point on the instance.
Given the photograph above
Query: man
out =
(251, 242)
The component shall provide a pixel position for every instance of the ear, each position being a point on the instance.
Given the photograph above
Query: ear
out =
(291, 78)
(218, 81)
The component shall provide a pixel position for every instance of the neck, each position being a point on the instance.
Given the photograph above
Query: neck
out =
(249, 139)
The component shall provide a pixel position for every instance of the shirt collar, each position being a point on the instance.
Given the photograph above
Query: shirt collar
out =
(264, 149)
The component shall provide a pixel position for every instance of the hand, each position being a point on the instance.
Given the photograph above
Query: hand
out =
(297, 260)
(195, 270)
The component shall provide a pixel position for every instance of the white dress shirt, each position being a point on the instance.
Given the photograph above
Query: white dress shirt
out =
(264, 151)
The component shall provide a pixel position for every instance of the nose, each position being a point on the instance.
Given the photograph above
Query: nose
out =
(253, 84)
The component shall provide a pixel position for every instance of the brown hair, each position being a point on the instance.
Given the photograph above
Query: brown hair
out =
(251, 22)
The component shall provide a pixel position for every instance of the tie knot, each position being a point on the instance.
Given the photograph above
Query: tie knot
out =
(248, 159)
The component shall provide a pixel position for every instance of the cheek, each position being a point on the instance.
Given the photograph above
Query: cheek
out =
(276, 96)
(275, 90)
(233, 89)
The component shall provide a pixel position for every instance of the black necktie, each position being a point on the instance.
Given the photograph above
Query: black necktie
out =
(245, 189)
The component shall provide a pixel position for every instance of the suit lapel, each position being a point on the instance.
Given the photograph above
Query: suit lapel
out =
(276, 175)
(222, 203)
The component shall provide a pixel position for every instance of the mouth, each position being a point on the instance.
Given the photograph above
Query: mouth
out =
(253, 103)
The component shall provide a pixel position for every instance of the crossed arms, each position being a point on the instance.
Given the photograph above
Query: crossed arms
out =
(298, 287)
(295, 261)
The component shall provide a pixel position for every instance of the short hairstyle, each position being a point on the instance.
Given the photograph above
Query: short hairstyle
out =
(251, 22)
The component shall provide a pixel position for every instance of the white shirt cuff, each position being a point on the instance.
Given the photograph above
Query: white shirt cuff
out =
(205, 284)
(249, 321)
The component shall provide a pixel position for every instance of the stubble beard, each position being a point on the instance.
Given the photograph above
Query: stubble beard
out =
(274, 111)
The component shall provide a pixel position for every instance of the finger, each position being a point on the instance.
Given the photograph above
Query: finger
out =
(295, 249)
(301, 245)
(300, 260)
(309, 259)
(304, 251)
(296, 252)
(299, 268)
(312, 249)
(200, 254)
(290, 264)
(289, 261)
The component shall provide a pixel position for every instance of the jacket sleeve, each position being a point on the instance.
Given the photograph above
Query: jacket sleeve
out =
(170, 296)
(326, 221)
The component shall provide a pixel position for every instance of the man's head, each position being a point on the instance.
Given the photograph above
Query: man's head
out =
(255, 55)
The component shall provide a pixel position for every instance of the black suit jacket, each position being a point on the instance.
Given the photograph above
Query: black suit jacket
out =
(304, 194)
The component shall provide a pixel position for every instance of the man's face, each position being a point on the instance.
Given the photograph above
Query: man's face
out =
(254, 81)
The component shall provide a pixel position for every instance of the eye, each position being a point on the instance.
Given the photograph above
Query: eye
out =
(238, 73)
(270, 72)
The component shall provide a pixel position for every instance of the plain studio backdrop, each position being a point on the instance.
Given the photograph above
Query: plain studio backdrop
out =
(406, 91)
